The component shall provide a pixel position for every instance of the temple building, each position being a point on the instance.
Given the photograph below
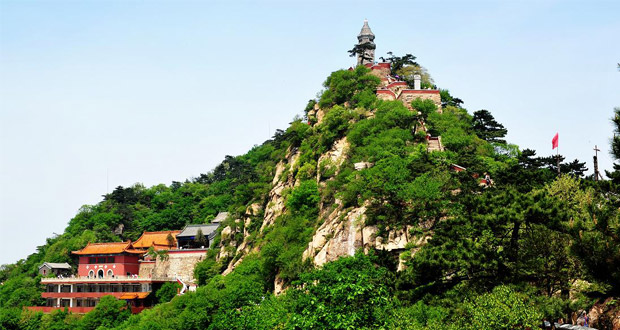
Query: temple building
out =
(108, 260)
(124, 270)
(52, 268)
(158, 240)
(103, 269)
(188, 238)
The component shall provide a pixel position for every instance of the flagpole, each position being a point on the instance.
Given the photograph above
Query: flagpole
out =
(558, 156)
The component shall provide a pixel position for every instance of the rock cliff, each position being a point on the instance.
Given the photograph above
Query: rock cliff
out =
(342, 231)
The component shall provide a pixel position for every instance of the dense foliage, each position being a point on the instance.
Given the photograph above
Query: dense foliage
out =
(499, 254)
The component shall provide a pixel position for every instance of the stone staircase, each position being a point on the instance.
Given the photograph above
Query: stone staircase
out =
(434, 144)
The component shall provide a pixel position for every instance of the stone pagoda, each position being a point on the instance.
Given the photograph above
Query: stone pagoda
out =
(366, 38)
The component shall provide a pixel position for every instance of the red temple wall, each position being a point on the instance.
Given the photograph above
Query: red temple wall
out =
(122, 265)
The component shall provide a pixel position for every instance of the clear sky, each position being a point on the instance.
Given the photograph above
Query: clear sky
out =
(97, 94)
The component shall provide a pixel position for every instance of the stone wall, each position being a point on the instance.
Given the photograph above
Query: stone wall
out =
(397, 87)
(386, 95)
(381, 70)
(180, 264)
(409, 95)
(146, 268)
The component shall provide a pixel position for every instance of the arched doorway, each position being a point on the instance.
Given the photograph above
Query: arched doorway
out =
(100, 273)
(91, 274)
(110, 273)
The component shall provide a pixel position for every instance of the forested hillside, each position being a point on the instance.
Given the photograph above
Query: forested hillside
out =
(529, 245)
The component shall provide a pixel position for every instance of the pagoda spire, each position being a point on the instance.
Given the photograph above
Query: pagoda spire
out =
(366, 31)
(366, 40)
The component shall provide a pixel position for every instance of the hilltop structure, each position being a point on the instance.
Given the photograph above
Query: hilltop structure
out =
(392, 87)
(366, 39)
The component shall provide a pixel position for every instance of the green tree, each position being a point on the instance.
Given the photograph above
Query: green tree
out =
(449, 100)
(362, 51)
(487, 128)
(407, 73)
(61, 319)
(9, 318)
(200, 238)
(503, 308)
(206, 270)
(108, 313)
(170, 239)
(350, 86)
(349, 293)
(615, 148)
(167, 291)
(424, 106)
(399, 62)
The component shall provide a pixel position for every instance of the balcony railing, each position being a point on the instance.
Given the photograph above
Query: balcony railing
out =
(77, 310)
(86, 279)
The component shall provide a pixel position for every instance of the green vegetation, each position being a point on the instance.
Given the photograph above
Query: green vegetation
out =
(504, 255)
(167, 291)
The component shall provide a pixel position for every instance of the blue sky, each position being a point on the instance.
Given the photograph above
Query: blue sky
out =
(96, 94)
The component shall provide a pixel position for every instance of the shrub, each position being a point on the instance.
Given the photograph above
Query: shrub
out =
(500, 309)
(425, 106)
(167, 291)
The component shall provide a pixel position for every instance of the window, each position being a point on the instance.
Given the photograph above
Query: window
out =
(110, 260)
(92, 260)
(101, 260)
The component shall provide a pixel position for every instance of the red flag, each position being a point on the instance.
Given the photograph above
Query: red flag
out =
(554, 141)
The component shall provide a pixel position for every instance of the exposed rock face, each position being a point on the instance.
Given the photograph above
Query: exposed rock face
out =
(226, 232)
(275, 205)
(278, 285)
(605, 315)
(320, 114)
(119, 229)
(336, 238)
(334, 158)
(362, 165)
(344, 232)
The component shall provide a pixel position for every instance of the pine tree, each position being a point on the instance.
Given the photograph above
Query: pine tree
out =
(487, 128)
(360, 49)
(200, 238)
(615, 147)
(170, 239)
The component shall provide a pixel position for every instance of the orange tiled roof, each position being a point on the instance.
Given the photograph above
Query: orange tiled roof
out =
(156, 239)
(107, 248)
(134, 295)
